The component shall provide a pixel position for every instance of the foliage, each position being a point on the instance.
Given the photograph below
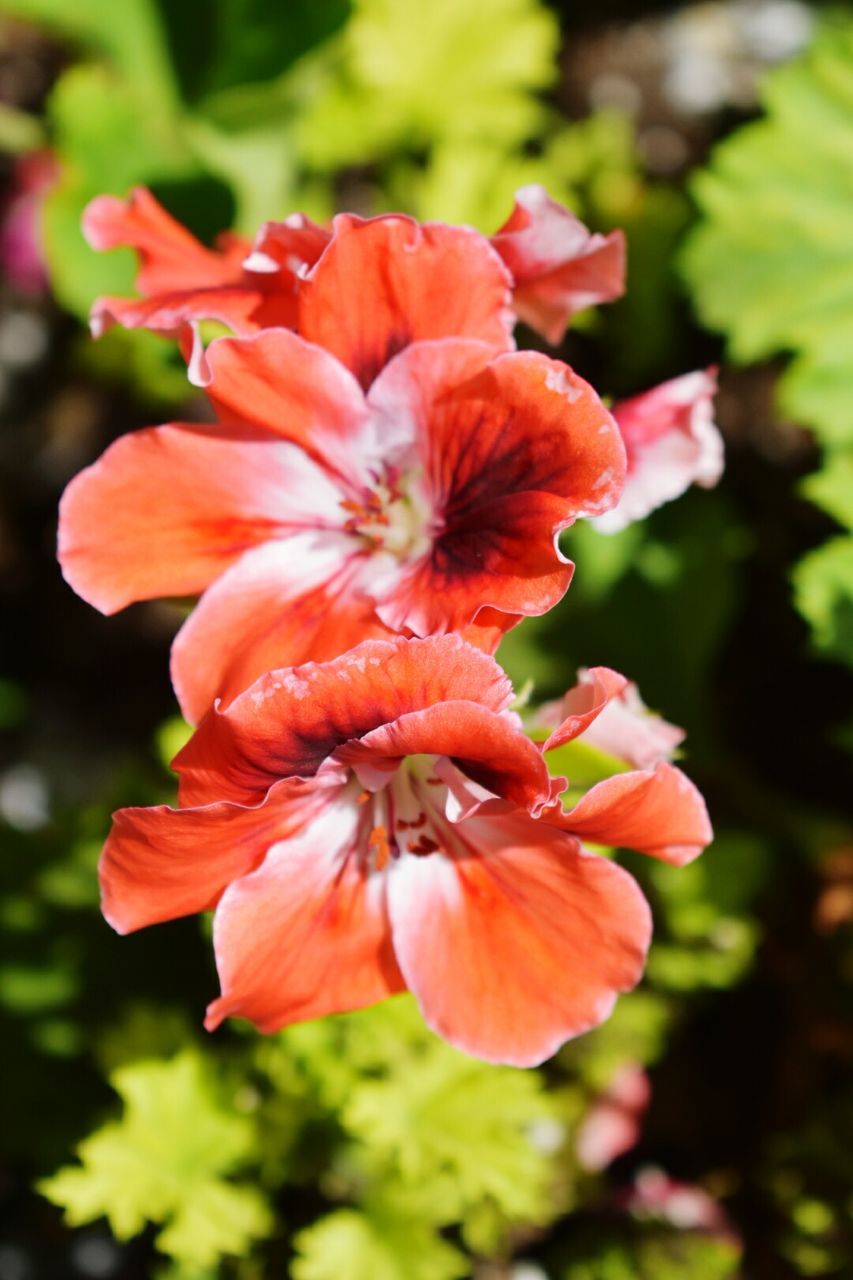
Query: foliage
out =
(771, 265)
(362, 1146)
(389, 61)
(166, 1161)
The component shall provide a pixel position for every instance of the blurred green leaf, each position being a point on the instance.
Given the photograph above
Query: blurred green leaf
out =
(374, 1246)
(107, 142)
(28, 989)
(407, 76)
(775, 201)
(656, 1255)
(450, 1119)
(823, 591)
(166, 1161)
(19, 131)
(238, 42)
(832, 486)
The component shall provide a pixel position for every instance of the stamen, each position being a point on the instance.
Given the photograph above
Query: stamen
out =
(377, 843)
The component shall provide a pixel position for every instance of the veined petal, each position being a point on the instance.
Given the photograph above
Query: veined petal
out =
(513, 449)
(161, 863)
(513, 939)
(284, 385)
(487, 746)
(386, 282)
(289, 722)
(307, 933)
(558, 265)
(657, 811)
(279, 604)
(167, 509)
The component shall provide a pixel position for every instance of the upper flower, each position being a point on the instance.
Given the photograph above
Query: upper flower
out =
(314, 516)
(380, 822)
(558, 266)
(365, 288)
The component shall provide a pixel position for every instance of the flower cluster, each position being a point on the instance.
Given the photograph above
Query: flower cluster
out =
(376, 502)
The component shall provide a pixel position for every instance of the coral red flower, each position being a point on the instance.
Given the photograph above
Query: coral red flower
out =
(364, 290)
(558, 266)
(671, 442)
(314, 516)
(380, 822)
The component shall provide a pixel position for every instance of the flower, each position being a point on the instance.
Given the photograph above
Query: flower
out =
(380, 822)
(613, 1123)
(558, 266)
(314, 516)
(621, 725)
(671, 442)
(365, 288)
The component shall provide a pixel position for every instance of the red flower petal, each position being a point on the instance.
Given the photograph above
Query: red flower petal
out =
(386, 282)
(307, 933)
(294, 244)
(518, 940)
(280, 605)
(299, 392)
(182, 280)
(170, 257)
(289, 722)
(581, 705)
(487, 746)
(514, 448)
(161, 863)
(559, 267)
(167, 509)
(659, 812)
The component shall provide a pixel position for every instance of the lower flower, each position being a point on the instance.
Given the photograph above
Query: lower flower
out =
(381, 822)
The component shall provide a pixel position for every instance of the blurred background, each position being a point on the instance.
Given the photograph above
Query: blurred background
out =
(706, 1131)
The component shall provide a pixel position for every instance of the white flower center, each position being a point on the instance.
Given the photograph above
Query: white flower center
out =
(393, 516)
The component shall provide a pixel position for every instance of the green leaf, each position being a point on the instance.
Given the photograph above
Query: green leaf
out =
(823, 591)
(461, 1125)
(257, 163)
(771, 263)
(240, 42)
(165, 1161)
(382, 81)
(832, 486)
(374, 1246)
(108, 141)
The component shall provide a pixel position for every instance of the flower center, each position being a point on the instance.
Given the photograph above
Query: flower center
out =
(393, 515)
(401, 814)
